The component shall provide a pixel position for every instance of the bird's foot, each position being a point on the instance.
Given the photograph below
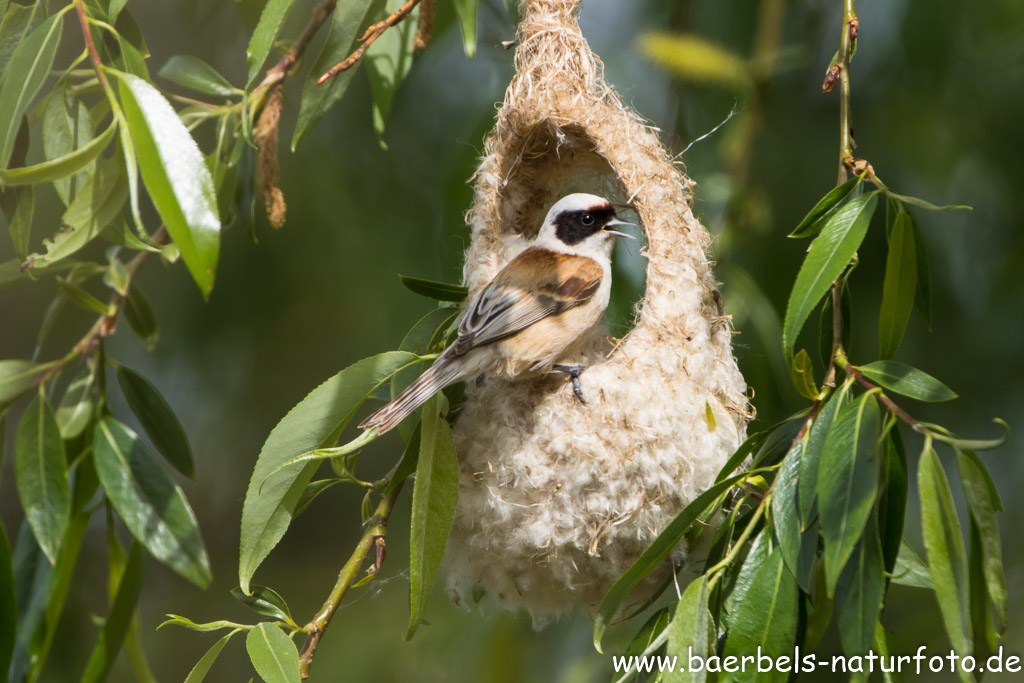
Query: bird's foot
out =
(480, 378)
(574, 372)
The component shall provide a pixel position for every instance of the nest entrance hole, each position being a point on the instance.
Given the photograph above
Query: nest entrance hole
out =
(550, 161)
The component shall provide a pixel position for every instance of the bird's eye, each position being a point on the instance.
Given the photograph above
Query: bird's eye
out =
(587, 219)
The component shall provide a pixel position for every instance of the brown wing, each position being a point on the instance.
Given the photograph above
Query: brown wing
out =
(534, 285)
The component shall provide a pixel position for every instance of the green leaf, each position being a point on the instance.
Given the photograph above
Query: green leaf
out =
(986, 637)
(803, 375)
(433, 509)
(691, 633)
(649, 639)
(195, 74)
(203, 666)
(817, 217)
(651, 558)
(95, 206)
(697, 59)
(115, 8)
(758, 553)
(892, 507)
(29, 66)
(388, 61)
(899, 288)
(828, 256)
(811, 457)
(184, 622)
(923, 297)
(984, 502)
(465, 12)
(271, 20)
(859, 595)
(16, 377)
(348, 23)
(18, 22)
(439, 291)
(767, 618)
(81, 298)
(42, 478)
(945, 545)
(317, 421)
(158, 419)
(798, 550)
(312, 492)
(848, 481)
(120, 234)
(118, 620)
(264, 600)
(61, 167)
(176, 177)
(926, 204)
(140, 317)
(8, 604)
(77, 405)
(19, 226)
(910, 569)
(151, 505)
(273, 654)
(908, 381)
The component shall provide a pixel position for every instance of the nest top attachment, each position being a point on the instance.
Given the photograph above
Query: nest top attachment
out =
(558, 498)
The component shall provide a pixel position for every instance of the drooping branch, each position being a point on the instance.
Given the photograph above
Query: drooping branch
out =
(367, 39)
(276, 73)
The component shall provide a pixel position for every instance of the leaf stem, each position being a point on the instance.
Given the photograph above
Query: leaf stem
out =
(843, 362)
(367, 39)
(372, 540)
(90, 45)
(847, 45)
(740, 542)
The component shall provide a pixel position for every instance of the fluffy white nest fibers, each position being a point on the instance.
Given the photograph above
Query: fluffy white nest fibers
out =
(557, 498)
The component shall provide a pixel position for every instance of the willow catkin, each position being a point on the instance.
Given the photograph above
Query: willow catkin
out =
(265, 135)
(557, 498)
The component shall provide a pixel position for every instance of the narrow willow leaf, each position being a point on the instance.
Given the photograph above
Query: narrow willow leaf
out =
(984, 502)
(140, 317)
(465, 12)
(848, 481)
(312, 492)
(648, 640)
(114, 9)
(195, 74)
(893, 505)
(93, 208)
(8, 603)
(176, 177)
(348, 22)
(816, 218)
(19, 226)
(29, 66)
(388, 61)
(697, 59)
(828, 256)
(80, 297)
(41, 474)
(947, 558)
(754, 442)
(655, 554)
(766, 619)
(439, 291)
(151, 505)
(409, 461)
(798, 549)
(433, 509)
(270, 23)
(907, 381)
(158, 419)
(986, 639)
(184, 622)
(77, 405)
(899, 288)
(206, 662)
(266, 601)
(317, 421)
(273, 654)
(923, 298)
(810, 457)
(120, 234)
(118, 620)
(757, 555)
(859, 595)
(916, 201)
(16, 377)
(692, 632)
(910, 569)
(18, 22)
(62, 167)
(803, 375)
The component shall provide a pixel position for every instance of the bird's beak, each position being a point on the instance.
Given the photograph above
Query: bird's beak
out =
(617, 221)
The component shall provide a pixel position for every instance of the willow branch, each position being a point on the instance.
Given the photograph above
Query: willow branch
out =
(372, 540)
(847, 41)
(276, 73)
(90, 45)
(843, 362)
(372, 34)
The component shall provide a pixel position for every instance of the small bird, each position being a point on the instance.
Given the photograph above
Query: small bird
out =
(534, 310)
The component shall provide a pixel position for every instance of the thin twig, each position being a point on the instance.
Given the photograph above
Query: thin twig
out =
(843, 362)
(90, 45)
(276, 73)
(847, 41)
(372, 34)
(373, 539)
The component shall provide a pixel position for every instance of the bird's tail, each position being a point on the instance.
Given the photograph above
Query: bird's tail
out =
(442, 373)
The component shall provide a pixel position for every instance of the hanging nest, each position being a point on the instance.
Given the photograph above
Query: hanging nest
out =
(557, 498)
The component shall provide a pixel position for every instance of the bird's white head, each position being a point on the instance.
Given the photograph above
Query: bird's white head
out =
(581, 224)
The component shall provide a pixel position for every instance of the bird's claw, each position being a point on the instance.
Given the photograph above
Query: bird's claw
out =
(574, 372)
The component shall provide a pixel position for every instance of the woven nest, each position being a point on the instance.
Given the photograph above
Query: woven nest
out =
(557, 498)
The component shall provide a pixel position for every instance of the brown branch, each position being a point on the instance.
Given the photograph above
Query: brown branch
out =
(847, 42)
(90, 45)
(843, 362)
(372, 34)
(373, 539)
(276, 73)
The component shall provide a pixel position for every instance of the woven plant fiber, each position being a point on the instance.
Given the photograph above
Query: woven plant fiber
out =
(558, 498)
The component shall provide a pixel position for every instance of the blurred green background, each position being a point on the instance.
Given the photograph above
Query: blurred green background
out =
(937, 98)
